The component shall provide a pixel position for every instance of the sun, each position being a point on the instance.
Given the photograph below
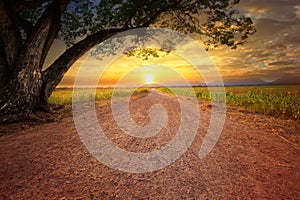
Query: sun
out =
(148, 78)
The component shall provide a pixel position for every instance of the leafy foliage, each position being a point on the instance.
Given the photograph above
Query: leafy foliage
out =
(145, 53)
(216, 21)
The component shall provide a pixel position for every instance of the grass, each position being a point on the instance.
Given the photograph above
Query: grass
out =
(64, 96)
(278, 101)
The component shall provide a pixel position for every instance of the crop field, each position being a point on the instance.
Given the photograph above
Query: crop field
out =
(278, 101)
(63, 96)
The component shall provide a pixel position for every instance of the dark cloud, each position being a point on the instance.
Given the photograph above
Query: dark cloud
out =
(284, 63)
(270, 54)
(279, 10)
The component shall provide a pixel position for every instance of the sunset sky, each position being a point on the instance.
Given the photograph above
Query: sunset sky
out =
(271, 55)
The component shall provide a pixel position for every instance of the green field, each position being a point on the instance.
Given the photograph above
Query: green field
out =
(64, 96)
(279, 101)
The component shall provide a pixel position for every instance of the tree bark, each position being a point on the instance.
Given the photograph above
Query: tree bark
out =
(10, 42)
(26, 80)
(4, 72)
(22, 93)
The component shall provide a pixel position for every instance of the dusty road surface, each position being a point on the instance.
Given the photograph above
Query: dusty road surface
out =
(256, 157)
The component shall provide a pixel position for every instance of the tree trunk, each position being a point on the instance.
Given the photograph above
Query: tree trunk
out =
(4, 72)
(22, 91)
(21, 94)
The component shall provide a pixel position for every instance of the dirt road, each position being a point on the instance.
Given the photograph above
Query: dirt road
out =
(256, 157)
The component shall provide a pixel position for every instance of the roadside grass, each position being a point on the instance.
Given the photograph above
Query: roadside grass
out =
(278, 101)
(62, 96)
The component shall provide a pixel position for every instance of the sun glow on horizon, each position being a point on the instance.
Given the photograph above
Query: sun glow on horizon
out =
(148, 78)
(133, 71)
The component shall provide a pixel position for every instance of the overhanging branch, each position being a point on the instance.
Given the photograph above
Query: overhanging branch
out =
(53, 74)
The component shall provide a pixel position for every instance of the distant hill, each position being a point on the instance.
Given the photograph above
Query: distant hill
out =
(286, 80)
(247, 82)
(291, 80)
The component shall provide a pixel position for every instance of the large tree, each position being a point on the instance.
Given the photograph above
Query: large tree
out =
(29, 28)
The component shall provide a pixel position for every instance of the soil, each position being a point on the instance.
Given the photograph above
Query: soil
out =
(256, 157)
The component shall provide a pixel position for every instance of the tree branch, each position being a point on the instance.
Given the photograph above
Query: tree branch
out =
(53, 75)
(44, 23)
(10, 35)
(41, 30)
(4, 70)
(13, 8)
(22, 5)
(160, 11)
(53, 30)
